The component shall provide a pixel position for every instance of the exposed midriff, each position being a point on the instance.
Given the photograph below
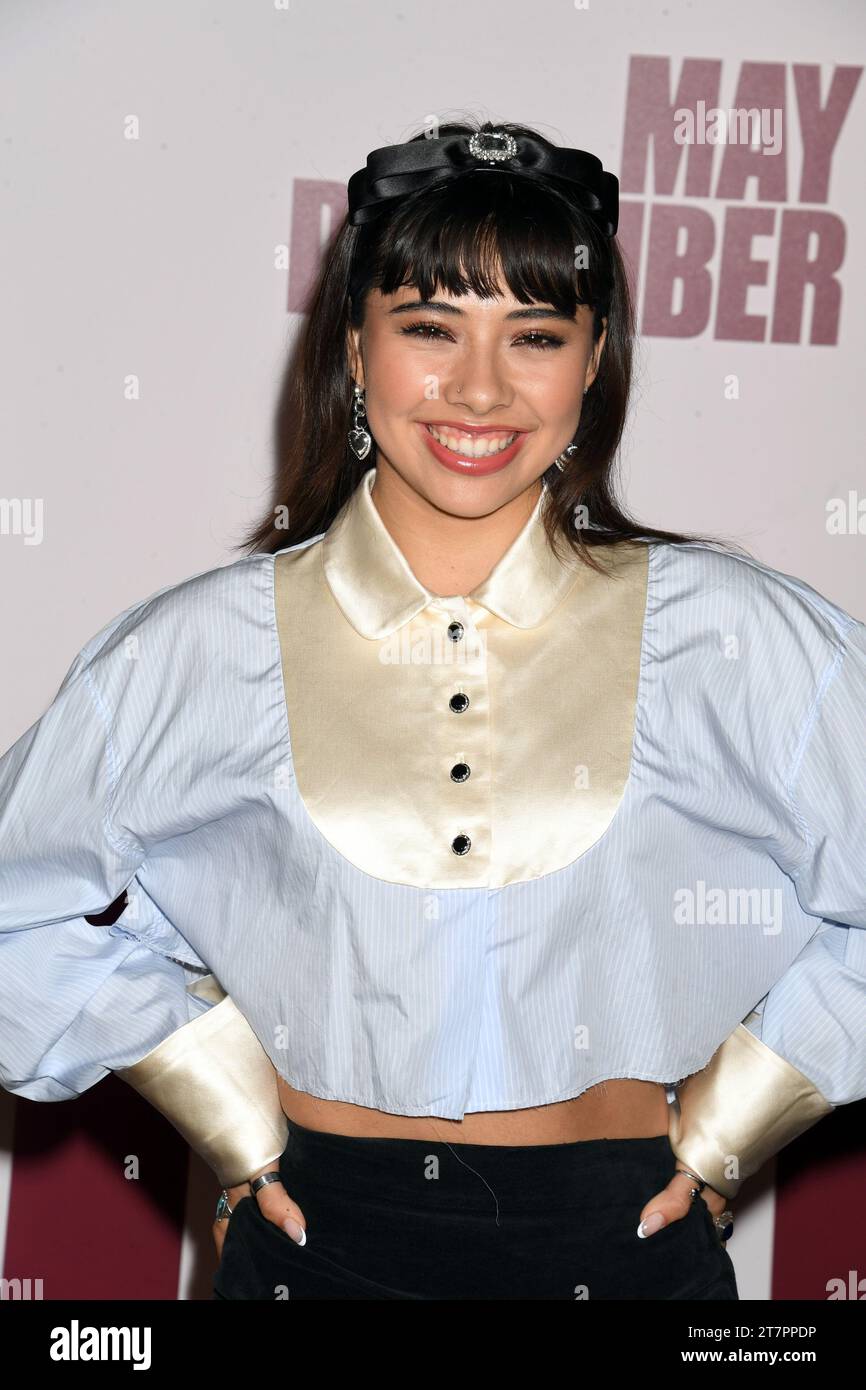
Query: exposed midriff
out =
(621, 1108)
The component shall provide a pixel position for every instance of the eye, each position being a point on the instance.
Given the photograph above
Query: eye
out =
(425, 331)
(428, 332)
(542, 340)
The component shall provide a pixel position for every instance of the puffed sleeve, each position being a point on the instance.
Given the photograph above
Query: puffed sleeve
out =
(802, 1050)
(815, 1015)
(79, 998)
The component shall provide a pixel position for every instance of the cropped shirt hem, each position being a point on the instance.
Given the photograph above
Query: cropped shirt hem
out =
(393, 1107)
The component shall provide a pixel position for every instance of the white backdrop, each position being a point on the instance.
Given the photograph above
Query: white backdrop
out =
(159, 161)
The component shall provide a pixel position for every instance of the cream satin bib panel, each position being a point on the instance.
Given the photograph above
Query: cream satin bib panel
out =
(533, 769)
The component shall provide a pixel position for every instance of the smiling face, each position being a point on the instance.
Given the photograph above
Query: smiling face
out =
(470, 400)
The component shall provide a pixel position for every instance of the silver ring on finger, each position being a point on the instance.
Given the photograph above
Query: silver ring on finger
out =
(263, 1181)
(693, 1191)
(223, 1210)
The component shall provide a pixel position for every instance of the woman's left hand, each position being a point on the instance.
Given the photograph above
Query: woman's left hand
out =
(673, 1204)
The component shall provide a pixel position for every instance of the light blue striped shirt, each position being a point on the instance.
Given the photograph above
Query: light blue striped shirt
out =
(731, 878)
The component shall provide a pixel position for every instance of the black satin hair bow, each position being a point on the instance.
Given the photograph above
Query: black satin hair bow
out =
(397, 170)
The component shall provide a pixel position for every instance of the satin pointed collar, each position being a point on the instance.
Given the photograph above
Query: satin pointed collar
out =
(378, 593)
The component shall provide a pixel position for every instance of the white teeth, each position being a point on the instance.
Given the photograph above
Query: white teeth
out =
(481, 446)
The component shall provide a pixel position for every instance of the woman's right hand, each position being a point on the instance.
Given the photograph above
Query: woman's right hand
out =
(275, 1203)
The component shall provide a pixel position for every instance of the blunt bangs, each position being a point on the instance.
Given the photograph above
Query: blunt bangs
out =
(461, 236)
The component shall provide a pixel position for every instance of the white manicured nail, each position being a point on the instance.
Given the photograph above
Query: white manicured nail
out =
(293, 1229)
(651, 1224)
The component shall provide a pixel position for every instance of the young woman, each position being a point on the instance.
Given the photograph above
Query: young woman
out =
(485, 874)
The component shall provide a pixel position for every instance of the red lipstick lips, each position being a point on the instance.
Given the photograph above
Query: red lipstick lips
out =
(473, 467)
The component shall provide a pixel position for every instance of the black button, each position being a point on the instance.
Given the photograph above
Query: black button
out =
(459, 772)
(460, 844)
(458, 703)
(455, 631)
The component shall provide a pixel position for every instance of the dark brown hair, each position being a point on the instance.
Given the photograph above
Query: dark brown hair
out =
(456, 236)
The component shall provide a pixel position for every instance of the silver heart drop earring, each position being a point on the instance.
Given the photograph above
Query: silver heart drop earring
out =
(360, 439)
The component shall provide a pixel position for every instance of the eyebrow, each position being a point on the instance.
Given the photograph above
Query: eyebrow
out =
(411, 305)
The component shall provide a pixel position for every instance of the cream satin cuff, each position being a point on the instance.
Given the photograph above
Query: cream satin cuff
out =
(216, 1084)
(745, 1105)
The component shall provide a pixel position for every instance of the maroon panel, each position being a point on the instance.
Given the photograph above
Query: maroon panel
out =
(75, 1220)
(819, 1250)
